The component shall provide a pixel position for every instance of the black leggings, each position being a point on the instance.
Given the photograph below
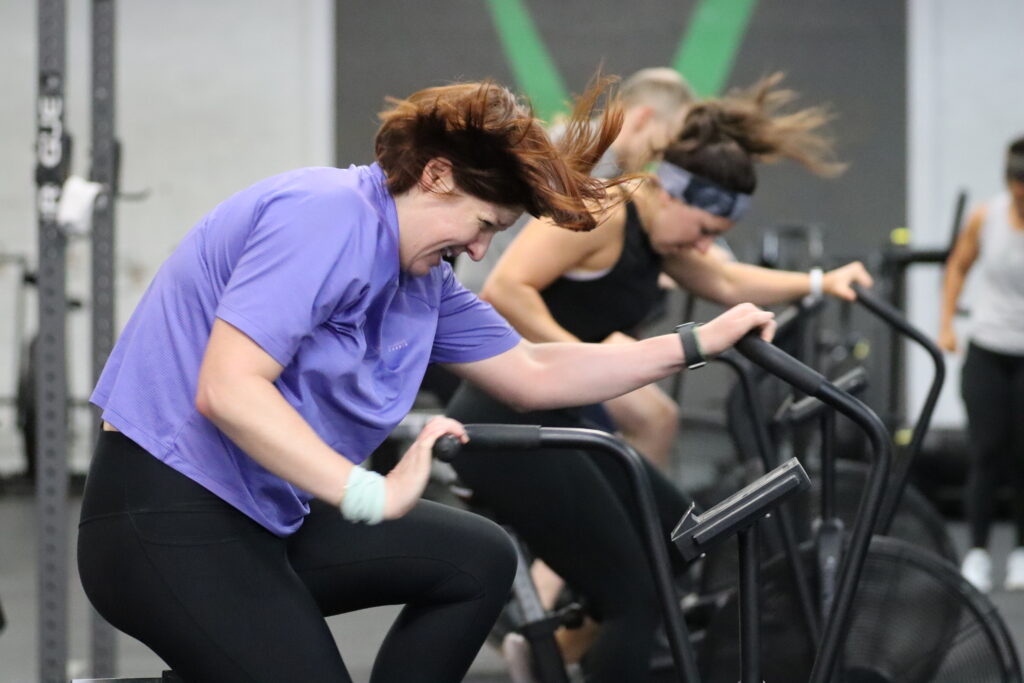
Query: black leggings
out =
(575, 511)
(221, 599)
(992, 385)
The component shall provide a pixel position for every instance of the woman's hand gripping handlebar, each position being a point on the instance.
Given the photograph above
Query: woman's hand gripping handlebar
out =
(404, 484)
(723, 332)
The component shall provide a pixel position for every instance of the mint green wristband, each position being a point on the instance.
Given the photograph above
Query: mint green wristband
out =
(363, 500)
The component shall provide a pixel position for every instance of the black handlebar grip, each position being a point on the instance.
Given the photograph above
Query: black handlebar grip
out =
(779, 363)
(488, 436)
(516, 437)
(447, 448)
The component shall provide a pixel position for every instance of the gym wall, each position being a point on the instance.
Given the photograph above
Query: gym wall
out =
(211, 96)
(966, 66)
(850, 56)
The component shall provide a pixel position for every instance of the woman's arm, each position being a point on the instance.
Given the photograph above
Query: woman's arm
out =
(728, 282)
(539, 255)
(553, 375)
(236, 392)
(958, 264)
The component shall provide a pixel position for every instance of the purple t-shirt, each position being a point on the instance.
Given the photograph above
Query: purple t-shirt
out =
(306, 264)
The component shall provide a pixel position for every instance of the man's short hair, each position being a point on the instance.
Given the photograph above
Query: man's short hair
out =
(660, 87)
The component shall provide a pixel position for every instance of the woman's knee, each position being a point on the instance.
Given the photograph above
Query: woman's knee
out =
(486, 554)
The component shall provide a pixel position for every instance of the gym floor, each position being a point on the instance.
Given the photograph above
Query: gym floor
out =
(358, 635)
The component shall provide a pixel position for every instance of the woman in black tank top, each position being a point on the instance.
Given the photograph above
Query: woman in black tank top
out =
(558, 285)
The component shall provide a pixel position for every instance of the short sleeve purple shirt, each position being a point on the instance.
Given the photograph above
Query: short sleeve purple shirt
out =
(306, 264)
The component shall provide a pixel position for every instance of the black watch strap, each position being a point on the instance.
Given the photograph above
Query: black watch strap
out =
(691, 346)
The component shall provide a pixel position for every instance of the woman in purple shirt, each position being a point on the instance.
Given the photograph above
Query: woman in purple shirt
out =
(224, 514)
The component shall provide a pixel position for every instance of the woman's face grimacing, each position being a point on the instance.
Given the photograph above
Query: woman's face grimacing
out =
(439, 220)
(676, 226)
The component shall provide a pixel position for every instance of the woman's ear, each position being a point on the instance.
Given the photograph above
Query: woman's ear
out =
(638, 117)
(437, 176)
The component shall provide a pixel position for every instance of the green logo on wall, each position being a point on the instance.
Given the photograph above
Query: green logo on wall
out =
(705, 54)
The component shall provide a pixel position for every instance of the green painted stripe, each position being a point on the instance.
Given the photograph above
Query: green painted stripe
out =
(532, 66)
(708, 48)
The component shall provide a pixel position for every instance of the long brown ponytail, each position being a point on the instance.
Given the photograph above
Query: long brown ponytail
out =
(722, 138)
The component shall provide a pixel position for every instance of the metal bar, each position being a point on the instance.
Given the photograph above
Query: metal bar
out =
(750, 616)
(653, 536)
(547, 658)
(52, 149)
(828, 464)
(860, 536)
(783, 517)
(895, 319)
(103, 650)
(793, 372)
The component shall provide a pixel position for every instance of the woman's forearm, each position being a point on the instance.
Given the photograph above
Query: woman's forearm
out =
(952, 285)
(255, 416)
(761, 286)
(580, 374)
(537, 376)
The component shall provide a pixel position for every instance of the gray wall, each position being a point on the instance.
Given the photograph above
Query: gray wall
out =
(211, 97)
(849, 55)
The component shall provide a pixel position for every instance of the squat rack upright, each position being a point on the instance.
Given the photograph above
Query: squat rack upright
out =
(53, 162)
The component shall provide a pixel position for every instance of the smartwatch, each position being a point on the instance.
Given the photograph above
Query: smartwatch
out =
(691, 345)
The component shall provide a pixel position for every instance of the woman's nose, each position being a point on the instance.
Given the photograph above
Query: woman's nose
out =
(478, 247)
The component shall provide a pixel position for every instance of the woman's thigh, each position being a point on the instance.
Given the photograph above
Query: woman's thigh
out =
(435, 553)
(208, 589)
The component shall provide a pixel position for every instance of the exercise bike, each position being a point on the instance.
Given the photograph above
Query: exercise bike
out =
(697, 533)
(915, 618)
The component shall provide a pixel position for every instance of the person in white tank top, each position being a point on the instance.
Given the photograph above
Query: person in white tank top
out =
(992, 379)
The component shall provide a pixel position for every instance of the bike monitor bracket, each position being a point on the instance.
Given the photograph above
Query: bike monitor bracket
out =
(697, 534)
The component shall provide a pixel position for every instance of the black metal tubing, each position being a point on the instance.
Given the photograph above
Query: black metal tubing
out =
(798, 312)
(796, 373)
(895, 319)
(513, 436)
(792, 412)
(750, 612)
(828, 464)
(784, 519)
(895, 260)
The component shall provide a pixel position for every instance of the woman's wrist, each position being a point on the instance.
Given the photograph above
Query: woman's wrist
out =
(816, 284)
(693, 351)
(364, 497)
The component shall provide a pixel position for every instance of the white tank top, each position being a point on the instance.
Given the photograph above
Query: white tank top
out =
(997, 312)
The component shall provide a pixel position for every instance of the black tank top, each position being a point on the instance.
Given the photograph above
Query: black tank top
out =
(617, 301)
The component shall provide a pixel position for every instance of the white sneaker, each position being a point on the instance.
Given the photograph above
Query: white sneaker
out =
(1015, 570)
(515, 649)
(977, 568)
